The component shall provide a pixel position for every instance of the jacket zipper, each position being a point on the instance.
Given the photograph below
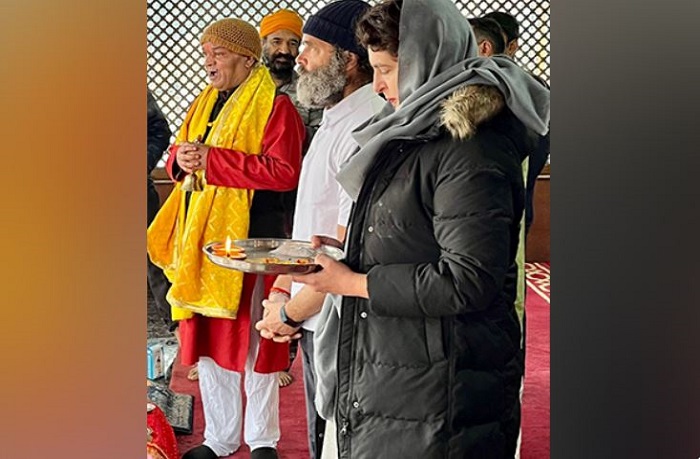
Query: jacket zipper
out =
(451, 362)
(344, 424)
(343, 441)
(342, 434)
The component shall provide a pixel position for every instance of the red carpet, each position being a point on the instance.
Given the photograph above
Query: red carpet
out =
(535, 414)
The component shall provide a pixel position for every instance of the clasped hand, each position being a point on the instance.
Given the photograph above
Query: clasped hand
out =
(271, 325)
(191, 157)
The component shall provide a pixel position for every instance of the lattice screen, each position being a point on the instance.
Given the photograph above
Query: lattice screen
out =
(175, 72)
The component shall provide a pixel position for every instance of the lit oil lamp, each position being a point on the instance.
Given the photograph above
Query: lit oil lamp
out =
(228, 250)
(228, 247)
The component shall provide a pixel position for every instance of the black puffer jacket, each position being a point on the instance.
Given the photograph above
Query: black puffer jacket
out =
(158, 133)
(430, 366)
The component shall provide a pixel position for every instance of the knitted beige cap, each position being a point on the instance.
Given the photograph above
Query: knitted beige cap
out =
(235, 35)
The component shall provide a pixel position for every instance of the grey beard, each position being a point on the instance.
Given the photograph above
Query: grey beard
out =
(324, 86)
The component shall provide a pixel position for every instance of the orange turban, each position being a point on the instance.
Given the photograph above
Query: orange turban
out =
(282, 19)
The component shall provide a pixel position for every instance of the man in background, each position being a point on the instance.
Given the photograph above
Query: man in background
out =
(536, 161)
(510, 27)
(490, 38)
(538, 158)
(158, 139)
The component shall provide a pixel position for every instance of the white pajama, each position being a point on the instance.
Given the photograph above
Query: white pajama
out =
(223, 402)
(330, 441)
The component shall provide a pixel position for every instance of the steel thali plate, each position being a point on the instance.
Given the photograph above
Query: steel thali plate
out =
(272, 256)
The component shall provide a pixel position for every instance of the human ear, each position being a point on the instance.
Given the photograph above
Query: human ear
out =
(512, 47)
(351, 60)
(485, 48)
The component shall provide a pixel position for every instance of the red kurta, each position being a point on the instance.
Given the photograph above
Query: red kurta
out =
(276, 168)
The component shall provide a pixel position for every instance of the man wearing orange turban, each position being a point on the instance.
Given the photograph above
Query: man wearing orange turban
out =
(281, 34)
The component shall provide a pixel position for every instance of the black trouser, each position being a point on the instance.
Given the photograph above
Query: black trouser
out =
(536, 162)
(316, 424)
(293, 348)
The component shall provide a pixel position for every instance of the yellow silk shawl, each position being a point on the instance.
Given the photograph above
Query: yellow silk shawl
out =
(177, 234)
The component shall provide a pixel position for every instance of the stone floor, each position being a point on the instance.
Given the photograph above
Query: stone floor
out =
(156, 328)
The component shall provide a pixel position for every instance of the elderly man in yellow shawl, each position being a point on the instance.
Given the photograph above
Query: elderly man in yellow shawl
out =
(241, 142)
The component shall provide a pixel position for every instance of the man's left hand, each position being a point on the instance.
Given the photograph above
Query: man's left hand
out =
(335, 277)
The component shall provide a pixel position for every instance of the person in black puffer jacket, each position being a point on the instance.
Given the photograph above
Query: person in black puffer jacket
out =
(427, 346)
(158, 139)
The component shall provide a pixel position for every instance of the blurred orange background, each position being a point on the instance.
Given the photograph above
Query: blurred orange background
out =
(72, 84)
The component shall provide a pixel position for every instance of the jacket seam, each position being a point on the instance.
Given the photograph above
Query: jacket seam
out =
(469, 215)
(391, 365)
(394, 418)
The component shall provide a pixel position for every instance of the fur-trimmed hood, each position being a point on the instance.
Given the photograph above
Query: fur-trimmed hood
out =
(468, 107)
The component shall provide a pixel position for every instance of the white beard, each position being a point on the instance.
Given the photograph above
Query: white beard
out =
(324, 86)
